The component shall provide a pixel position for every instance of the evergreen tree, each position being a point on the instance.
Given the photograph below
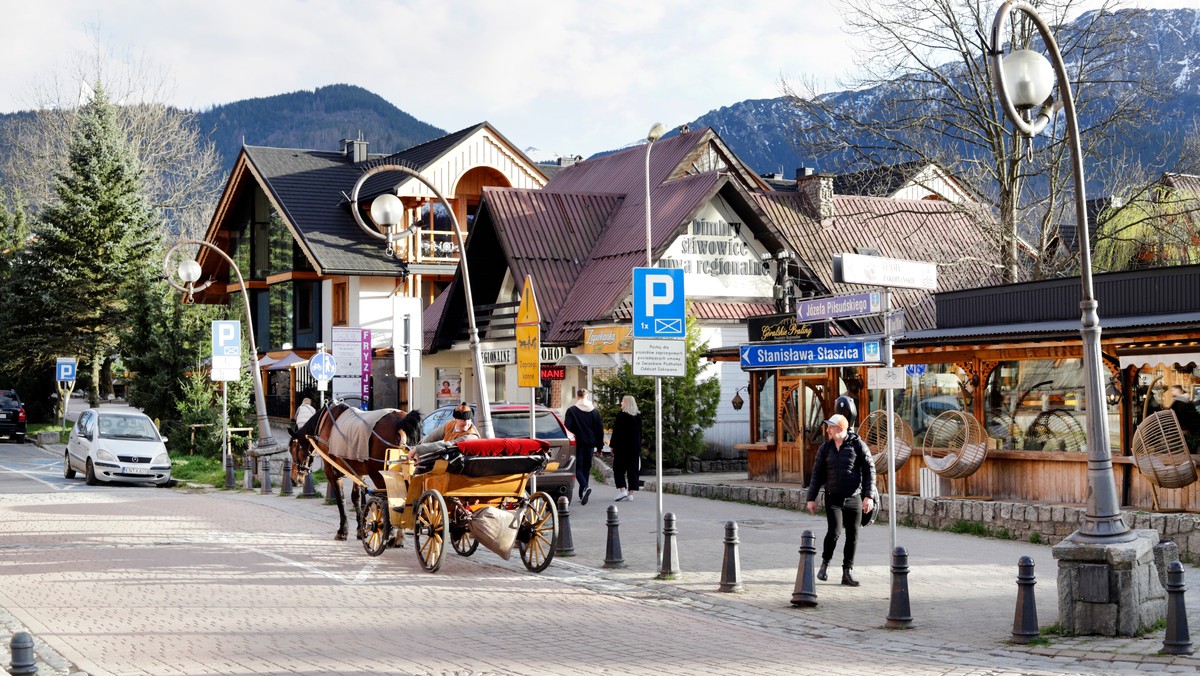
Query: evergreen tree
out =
(689, 403)
(92, 244)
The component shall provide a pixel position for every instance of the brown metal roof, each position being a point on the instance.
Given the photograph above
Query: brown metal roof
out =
(921, 230)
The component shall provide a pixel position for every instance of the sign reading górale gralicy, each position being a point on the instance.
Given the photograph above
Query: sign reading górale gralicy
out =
(822, 353)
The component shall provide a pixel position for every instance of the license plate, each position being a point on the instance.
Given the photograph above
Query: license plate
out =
(135, 470)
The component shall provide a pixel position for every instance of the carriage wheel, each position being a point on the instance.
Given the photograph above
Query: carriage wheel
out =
(539, 532)
(377, 527)
(430, 529)
(463, 540)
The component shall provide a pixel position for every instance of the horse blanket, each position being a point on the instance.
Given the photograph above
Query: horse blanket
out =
(351, 435)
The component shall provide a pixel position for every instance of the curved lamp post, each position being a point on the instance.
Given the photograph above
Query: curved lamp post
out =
(1024, 81)
(655, 133)
(388, 210)
(189, 273)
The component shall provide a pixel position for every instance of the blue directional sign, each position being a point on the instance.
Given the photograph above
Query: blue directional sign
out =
(915, 369)
(813, 353)
(64, 369)
(322, 366)
(658, 303)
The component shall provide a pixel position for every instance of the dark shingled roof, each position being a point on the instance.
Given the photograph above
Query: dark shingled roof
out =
(878, 181)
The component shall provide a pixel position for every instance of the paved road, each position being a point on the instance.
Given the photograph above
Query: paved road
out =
(115, 580)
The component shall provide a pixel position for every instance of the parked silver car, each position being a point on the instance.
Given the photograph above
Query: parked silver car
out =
(117, 446)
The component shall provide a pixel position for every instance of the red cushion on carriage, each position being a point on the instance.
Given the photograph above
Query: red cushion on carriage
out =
(501, 447)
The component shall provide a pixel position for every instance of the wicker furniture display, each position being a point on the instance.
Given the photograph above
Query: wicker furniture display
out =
(1161, 453)
(1055, 430)
(955, 445)
(873, 432)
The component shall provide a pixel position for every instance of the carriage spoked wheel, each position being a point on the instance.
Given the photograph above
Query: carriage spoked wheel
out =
(463, 540)
(431, 530)
(539, 532)
(377, 527)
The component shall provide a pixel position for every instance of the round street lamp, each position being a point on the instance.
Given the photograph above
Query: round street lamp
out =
(387, 210)
(1032, 79)
(189, 273)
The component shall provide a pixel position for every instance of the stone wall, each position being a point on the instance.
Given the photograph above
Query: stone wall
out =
(1012, 520)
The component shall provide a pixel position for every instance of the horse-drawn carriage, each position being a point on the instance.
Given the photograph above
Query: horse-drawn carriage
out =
(465, 494)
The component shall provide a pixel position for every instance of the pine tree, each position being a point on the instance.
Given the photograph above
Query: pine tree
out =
(92, 244)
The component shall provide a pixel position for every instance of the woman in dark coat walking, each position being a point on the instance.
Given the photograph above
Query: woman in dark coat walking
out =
(626, 443)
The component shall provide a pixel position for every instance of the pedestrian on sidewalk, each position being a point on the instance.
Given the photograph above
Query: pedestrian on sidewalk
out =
(626, 443)
(304, 412)
(584, 421)
(844, 468)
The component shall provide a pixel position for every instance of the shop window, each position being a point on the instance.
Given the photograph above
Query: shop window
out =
(1038, 405)
(765, 427)
(925, 397)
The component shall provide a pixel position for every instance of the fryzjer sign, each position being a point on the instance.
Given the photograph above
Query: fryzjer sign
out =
(839, 306)
(816, 353)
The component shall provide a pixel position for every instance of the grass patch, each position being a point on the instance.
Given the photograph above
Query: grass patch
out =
(1036, 538)
(970, 528)
(1158, 626)
(32, 429)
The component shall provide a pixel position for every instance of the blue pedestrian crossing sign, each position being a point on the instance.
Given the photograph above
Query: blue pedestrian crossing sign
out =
(322, 366)
(65, 369)
(658, 303)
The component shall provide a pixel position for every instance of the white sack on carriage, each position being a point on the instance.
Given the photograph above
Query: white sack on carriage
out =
(496, 528)
(351, 435)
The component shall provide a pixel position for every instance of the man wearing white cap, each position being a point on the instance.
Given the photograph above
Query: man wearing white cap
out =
(845, 469)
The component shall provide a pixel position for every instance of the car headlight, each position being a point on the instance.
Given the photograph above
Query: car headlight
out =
(104, 455)
(161, 459)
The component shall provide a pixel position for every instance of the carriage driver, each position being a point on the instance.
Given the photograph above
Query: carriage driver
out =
(459, 428)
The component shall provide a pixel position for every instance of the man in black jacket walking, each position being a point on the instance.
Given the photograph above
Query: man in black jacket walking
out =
(844, 468)
(584, 421)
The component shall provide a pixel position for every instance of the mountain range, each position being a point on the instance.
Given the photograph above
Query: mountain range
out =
(760, 131)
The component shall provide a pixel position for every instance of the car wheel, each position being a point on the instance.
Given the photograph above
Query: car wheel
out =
(90, 474)
(68, 471)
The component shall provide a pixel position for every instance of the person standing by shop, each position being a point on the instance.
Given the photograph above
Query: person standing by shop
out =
(1185, 412)
(304, 412)
(584, 421)
(626, 443)
(844, 468)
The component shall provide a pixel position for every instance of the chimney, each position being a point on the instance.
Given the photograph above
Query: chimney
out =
(819, 189)
(569, 160)
(356, 149)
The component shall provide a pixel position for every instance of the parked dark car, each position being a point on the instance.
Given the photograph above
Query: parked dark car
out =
(12, 416)
(511, 421)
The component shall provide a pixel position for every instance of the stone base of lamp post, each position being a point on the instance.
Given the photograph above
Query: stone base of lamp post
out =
(1109, 589)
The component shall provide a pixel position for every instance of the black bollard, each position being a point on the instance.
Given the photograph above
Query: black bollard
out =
(670, 554)
(266, 475)
(285, 480)
(230, 482)
(804, 594)
(1177, 640)
(731, 567)
(1025, 621)
(612, 551)
(899, 614)
(21, 647)
(309, 491)
(566, 544)
(247, 472)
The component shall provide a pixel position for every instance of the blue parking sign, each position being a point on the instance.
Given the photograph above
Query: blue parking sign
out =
(64, 369)
(658, 303)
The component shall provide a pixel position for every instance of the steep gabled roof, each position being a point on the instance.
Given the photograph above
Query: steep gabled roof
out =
(920, 230)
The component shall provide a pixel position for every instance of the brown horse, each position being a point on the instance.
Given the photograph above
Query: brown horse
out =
(393, 430)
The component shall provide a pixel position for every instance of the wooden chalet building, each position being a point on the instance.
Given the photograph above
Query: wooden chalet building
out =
(284, 218)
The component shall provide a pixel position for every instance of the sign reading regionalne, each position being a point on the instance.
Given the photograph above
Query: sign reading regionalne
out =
(839, 306)
(814, 353)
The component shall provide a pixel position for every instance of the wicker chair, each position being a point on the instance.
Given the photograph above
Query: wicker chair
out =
(873, 432)
(1162, 454)
(955, 445)
(1055, 430)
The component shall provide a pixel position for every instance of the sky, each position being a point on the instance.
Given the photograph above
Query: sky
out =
(564, 77)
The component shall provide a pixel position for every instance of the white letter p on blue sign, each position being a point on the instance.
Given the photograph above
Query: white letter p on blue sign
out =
(658, 303)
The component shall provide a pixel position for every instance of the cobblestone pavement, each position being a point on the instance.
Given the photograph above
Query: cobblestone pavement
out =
(138, 581)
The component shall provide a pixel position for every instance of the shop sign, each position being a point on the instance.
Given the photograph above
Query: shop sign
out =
(613, 339)
(549, 355)
(554, 373)
(783, 327)
(500, 357)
